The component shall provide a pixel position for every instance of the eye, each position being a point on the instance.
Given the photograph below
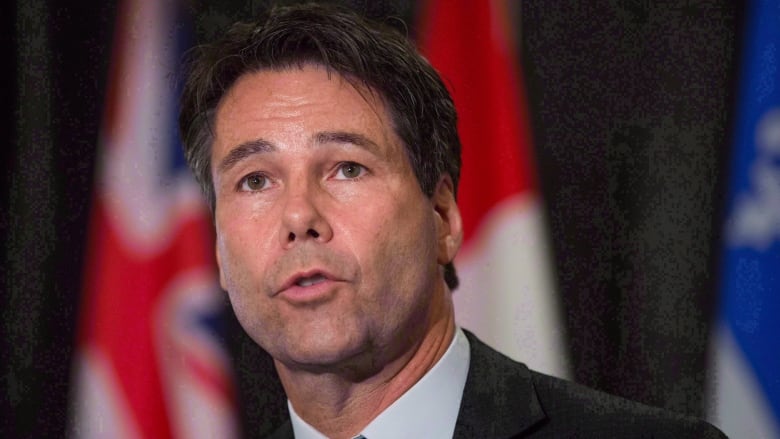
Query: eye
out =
(349, 171)
(253, 183)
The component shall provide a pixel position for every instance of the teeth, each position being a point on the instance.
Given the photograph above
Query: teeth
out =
(309, 281)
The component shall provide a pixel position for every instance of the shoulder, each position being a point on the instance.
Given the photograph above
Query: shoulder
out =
(597, 412)
(560, 408)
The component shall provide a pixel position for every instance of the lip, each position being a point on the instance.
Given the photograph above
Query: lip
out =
(297, 294)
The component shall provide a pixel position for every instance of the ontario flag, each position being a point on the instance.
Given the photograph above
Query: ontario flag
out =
(746, 378)
(149, 362)
(507, 293)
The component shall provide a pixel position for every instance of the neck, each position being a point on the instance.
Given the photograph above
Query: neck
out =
(338, 405)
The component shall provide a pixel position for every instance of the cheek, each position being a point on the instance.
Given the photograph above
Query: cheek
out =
(234, 278)
(243, 282)
(398, 244)
(239, 253)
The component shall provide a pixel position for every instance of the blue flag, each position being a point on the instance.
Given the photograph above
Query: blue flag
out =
(747, 377)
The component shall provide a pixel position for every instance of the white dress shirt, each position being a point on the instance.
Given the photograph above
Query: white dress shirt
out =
(429, 409)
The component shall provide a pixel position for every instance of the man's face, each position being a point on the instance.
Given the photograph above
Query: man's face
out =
(328, 248)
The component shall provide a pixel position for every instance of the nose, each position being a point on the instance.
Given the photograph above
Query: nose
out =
(302, 218)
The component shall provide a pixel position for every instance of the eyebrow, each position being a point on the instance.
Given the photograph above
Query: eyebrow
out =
(243, 151)
(346, 138)
(259, 146)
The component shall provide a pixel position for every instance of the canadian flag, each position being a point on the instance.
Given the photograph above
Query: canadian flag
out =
(507, 295)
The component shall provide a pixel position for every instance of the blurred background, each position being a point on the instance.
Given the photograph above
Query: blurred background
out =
(642, 130)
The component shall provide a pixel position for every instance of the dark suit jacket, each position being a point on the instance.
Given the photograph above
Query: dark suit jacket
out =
(505, 399)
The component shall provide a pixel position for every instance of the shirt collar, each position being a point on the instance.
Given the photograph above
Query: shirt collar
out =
(428, 409)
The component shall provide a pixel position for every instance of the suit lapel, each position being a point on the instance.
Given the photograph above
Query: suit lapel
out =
(499, 399)
(283, 432)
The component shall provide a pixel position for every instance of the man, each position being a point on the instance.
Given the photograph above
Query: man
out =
(328, 151)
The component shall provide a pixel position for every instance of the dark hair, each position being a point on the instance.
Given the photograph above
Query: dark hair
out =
(364, 52)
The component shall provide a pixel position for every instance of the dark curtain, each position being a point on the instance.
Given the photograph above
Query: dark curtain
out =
(57, 56)
(630, 107)
(631, 104)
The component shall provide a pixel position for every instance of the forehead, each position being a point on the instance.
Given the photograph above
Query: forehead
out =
(301, 98)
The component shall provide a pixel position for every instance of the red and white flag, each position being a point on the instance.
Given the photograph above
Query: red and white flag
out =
(507, 294)
(149, 361)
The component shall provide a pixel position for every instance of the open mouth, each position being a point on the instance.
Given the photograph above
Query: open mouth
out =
(311, 280)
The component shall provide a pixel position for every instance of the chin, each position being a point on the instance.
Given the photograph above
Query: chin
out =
(325, 351)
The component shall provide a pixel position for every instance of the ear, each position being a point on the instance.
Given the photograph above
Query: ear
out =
(449, 226)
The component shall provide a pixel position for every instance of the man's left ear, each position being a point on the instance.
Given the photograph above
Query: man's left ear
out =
(449, 226)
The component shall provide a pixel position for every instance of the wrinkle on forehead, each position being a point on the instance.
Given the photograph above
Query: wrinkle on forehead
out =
(281, 99)
(370, 95)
